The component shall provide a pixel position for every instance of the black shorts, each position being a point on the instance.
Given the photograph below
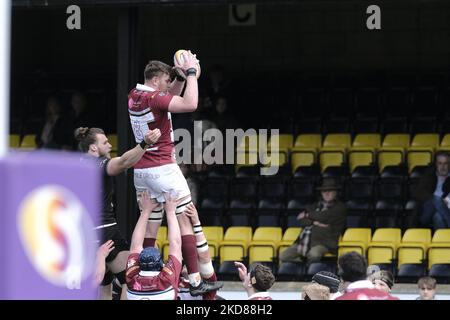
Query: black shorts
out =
(120, 244)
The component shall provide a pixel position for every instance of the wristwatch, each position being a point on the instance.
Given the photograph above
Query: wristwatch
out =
(191, 72)
(144, 145)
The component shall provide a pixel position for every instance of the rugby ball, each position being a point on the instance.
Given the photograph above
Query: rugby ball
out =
(178, 61)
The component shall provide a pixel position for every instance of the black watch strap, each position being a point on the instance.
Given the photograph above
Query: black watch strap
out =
(191, 72)
(144, 145)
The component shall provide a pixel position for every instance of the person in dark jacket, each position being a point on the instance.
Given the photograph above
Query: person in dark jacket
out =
(431, 193)
(322, 223)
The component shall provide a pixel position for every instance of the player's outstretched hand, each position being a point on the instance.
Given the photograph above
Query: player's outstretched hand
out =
(242, 269)
(192, 213)
(171, 201)
(145, 202)
(190, 60)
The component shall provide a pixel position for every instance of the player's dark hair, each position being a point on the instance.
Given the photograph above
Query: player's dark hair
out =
(352, 267)
(261, 277)
(86, 137)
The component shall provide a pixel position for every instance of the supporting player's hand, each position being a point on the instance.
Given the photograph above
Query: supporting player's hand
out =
(105, 249)
(146, 204)
(192, 213)
(102, 252)
(171, 201)
(152, 136)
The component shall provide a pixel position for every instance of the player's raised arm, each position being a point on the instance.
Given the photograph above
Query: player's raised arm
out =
(118, 165)
(137, 239)
(173, 229)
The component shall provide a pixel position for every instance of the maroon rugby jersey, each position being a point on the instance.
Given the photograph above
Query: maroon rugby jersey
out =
(152, 285)
(148, 110)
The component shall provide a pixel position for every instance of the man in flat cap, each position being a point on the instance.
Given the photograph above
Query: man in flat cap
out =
(323, 223)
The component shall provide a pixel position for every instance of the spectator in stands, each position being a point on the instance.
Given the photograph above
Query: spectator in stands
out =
(78, 116)
(323, 223)
(217, 85)
(382, 280)
(427, 288)
(222, 117)
(431, 191)
(352, 268)
(257, 282)
(330, 280)
(51, 132)
(315, 291)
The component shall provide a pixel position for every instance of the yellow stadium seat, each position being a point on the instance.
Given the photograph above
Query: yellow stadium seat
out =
(361, 157)
(439, 248)
(337, 140)
(264, 245)
(289, 236)
(313, 141)
(441, 236)
(438, 255)
(401, 140)
(285, 141)
(235, 243)
(382, 248)
(413, 247)
(275, 158)
(355, 239)
(302, 157)
(427, 140)
(28, 142)
(445, 143)
(331, 157)
(214, 236)
(14, 140)
(161, 240)
(390, 156)
(162, 233)
(419, 157)
(370, 140)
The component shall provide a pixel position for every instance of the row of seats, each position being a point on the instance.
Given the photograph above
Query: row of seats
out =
(339, 149)
(410, 255)
(371, 124)
(380, 214)
(283, 189)
(28, 142)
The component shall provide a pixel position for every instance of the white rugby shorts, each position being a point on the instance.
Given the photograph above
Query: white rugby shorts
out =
(161, 179)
